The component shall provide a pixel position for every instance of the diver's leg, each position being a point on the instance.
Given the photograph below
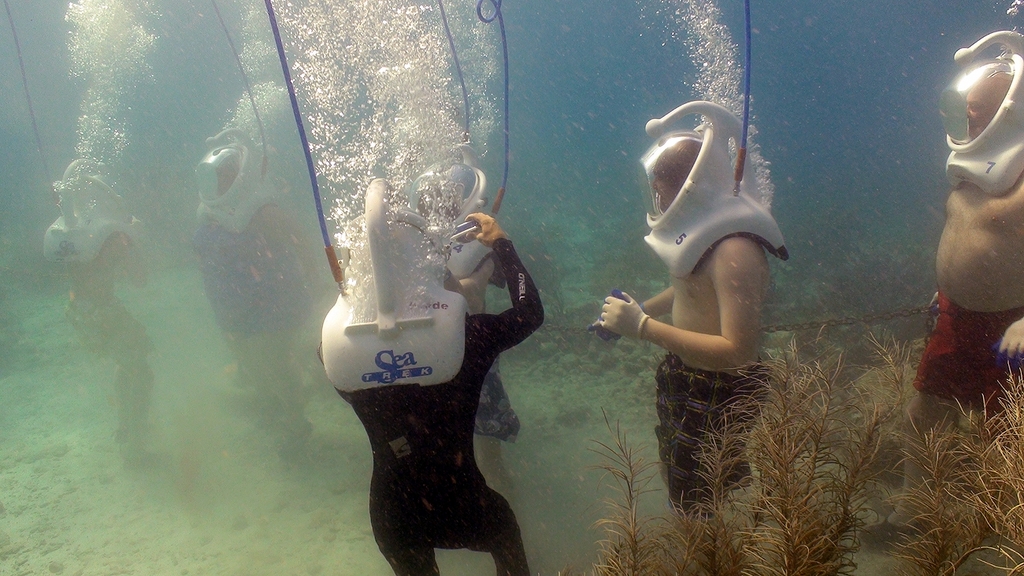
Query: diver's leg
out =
(409, 561)
(496, 422)
(509, 554)
(401, 541)
(267, 366)
(498, 534)
(492, 464)
(925, 412)
(133, 382)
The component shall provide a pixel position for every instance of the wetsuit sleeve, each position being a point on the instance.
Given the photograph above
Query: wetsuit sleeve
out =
(512, 326)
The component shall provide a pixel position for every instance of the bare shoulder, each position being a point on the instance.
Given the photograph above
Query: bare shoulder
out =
(739, 266)
(740, 253)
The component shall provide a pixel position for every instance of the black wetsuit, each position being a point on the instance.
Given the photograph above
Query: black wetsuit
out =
(426, 491)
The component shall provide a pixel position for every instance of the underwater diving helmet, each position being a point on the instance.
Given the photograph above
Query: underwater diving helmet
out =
(90, 212)
(689, 216)
(446, 197)
(230, 179)
(983, 122)
(416, 334)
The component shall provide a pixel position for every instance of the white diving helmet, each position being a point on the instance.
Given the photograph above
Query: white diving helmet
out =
(983, 122)
(446, 198)
(686, 222)
(90, 212)
(232, 187)
(418, 336)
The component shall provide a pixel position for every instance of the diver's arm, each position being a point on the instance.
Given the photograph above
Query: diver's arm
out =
(527, 313)
(660, 304)
(739, 272)
(474, 287)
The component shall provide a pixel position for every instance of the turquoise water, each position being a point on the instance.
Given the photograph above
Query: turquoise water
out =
(844, 100)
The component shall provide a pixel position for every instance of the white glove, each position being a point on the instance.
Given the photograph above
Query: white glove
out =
(624, 317)
(1011, 346)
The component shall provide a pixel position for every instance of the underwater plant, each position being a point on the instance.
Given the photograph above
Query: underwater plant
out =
(965, 512)
(630, 546)
(999, 495)
(946, 527)
(812, 436)
(814, 449)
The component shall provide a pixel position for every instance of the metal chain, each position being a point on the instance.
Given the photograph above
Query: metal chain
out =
(796, 327)
(846, 320)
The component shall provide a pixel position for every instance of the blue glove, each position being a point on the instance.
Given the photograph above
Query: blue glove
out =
(1010, 348)
(1004, 358)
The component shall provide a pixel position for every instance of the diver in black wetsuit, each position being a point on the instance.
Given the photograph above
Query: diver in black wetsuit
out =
(427, 491)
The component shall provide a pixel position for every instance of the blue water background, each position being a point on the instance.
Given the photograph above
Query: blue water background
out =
(843, 96)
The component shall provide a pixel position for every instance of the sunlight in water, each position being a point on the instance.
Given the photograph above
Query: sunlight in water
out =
(109, 49)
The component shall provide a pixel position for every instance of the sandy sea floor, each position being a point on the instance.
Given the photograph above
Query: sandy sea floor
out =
(218, 499)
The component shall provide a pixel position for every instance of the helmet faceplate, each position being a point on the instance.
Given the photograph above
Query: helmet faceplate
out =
(90, 212)
(231, 186)
(984, 127)
(445, 197)
(707, 208)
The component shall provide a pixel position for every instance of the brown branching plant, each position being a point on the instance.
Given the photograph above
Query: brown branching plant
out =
(815, 449)
(723, 517)
(887, 386)
(704, 540)
(1000, 496)
(812, 438)
(946, 527)
(631, 546)
(887, 382)
(710, 538)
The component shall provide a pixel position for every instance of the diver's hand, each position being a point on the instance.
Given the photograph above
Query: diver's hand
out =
(489, 231)
(623, 316)
(604, 333)
(1011, 346)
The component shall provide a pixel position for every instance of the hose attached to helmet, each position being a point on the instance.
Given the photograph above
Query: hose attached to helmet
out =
(332, 255)
(504, 53)
(741, 155)
(458, 72)
(462, 82)
(28, 97)
(248, 88)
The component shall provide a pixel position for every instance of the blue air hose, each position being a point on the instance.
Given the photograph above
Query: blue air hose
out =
(504, 53)
(458, 71)
(741, 156)
(248, 87)
(28, 98)
(332, 257)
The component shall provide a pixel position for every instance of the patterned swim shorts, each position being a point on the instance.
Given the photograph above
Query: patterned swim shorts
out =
(691, 405)
(495, 416)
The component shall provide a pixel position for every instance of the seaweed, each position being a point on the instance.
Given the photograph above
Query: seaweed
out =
(946, 527)
(631, 543)
(812, 435)
(998, 493)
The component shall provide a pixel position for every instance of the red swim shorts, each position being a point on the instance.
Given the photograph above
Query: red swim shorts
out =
(959, 362)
